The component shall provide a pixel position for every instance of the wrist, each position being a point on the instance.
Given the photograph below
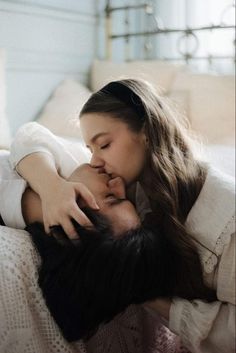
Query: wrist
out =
(53, 182)
(162, 306)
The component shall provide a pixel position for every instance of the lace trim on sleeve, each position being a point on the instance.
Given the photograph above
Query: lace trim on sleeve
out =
(210, 259)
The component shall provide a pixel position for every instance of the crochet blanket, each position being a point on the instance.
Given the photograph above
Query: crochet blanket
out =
(26, 325)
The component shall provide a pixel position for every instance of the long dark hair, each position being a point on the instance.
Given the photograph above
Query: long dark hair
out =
(172, 177)
(87, 283)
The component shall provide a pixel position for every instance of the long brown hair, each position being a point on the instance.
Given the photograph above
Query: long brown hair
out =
(172, 177)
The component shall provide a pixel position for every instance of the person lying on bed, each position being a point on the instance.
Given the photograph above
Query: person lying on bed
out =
(105, 270)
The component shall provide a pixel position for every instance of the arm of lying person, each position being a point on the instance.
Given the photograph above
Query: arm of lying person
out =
(33, 137)
(58, 196)
(43, 161)
(19, 205)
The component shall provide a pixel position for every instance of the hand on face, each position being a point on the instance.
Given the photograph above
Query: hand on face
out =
(110, 197)
(60, 206)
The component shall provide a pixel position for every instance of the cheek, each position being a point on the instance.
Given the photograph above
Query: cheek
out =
(126, 158)
(117, 155)
(134, 160)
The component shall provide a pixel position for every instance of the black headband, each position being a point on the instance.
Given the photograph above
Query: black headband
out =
(126, 95)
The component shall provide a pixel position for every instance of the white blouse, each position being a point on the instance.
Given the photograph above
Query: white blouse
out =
(203, 327)
(12, 187)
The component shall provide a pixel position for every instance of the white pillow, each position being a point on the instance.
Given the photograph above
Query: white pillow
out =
(179, 99)
(5, 136)
(161, 74)
(211, 103)
(60, 114)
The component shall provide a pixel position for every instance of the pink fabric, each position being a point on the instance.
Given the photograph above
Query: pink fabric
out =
(135, 331)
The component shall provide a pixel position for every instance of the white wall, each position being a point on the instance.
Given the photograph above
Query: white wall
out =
(198, 13)
(46, 41)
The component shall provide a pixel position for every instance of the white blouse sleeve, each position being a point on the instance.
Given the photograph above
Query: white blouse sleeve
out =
(12, 186)
(210, 327)
(33, 137)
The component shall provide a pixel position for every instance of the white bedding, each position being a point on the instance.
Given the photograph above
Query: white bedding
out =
(26, 325)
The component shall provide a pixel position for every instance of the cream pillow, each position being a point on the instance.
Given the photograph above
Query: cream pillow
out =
(60, 114)
(179, 99)
(161, 74)
(211, 106)
(5, 136)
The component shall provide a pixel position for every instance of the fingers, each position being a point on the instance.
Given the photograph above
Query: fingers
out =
(47, 227)
(80, 217)
(69, 229)
(65, 222)
(63, 208)
(86, 195)
(67, 226)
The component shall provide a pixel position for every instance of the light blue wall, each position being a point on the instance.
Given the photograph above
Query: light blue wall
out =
(46, 41)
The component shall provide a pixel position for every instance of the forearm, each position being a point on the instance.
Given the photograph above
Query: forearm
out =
(40, 171)
(32, 138)
(31, 207)
(162, 306)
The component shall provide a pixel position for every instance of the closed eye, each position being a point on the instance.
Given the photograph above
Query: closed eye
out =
(113, 200)
(105, 146)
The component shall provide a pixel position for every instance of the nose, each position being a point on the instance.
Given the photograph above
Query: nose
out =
(96, 162)
(117, 187)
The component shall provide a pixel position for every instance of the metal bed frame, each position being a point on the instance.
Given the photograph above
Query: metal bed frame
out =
(185, 33)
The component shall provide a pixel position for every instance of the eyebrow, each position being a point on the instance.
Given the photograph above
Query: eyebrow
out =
(95, 137)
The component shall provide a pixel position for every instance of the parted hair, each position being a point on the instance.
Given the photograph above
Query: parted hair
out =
(88, 282)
